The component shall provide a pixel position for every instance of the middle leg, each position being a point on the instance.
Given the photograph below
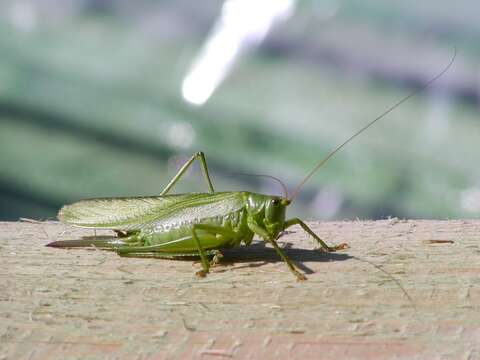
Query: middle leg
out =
(226, 234)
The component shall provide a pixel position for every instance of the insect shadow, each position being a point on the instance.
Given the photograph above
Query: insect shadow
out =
(255, 255)
(258, 254)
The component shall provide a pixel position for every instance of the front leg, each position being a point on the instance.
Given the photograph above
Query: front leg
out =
(293, 269)
(297, 221)
(257, 229)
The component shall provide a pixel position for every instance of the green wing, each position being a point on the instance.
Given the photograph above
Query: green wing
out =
(136, 213)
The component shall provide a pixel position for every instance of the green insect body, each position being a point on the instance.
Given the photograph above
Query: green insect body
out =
(176, 226)
(182, 225)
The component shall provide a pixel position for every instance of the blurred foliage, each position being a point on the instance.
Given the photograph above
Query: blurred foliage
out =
(90, 105)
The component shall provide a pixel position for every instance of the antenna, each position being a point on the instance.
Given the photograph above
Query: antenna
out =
(381, 116)
(284, 187)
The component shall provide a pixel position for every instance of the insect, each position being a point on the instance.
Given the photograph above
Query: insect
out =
(197, 224)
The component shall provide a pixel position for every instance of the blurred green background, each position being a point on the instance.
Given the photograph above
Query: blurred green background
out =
(91, 104)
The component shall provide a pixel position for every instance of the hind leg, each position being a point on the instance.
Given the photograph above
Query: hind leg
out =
(203, 164)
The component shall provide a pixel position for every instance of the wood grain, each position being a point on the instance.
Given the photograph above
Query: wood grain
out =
(77, 304)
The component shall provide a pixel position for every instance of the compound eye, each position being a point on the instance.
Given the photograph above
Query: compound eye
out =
(275, 202)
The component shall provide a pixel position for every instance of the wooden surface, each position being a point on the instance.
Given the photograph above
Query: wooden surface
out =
(57, 303)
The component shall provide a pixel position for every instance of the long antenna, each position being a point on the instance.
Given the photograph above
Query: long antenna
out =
(386, 112)
(280, 182)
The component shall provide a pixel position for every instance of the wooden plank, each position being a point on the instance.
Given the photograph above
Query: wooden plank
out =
(57, 303)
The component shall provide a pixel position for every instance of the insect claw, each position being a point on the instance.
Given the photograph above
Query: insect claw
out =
(300, 276)
(201, 273)
(216, 258)
(341, 246)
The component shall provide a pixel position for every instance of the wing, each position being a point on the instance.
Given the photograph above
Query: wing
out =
(136, 213)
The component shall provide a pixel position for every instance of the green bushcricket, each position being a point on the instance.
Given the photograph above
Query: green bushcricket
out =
(196, 224)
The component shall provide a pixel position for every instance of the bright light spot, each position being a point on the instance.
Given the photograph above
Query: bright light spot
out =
(242, 25)
(181, 135)
(470, 199)
(23, 16)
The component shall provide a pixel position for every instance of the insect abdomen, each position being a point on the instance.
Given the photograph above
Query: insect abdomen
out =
(177, 236)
